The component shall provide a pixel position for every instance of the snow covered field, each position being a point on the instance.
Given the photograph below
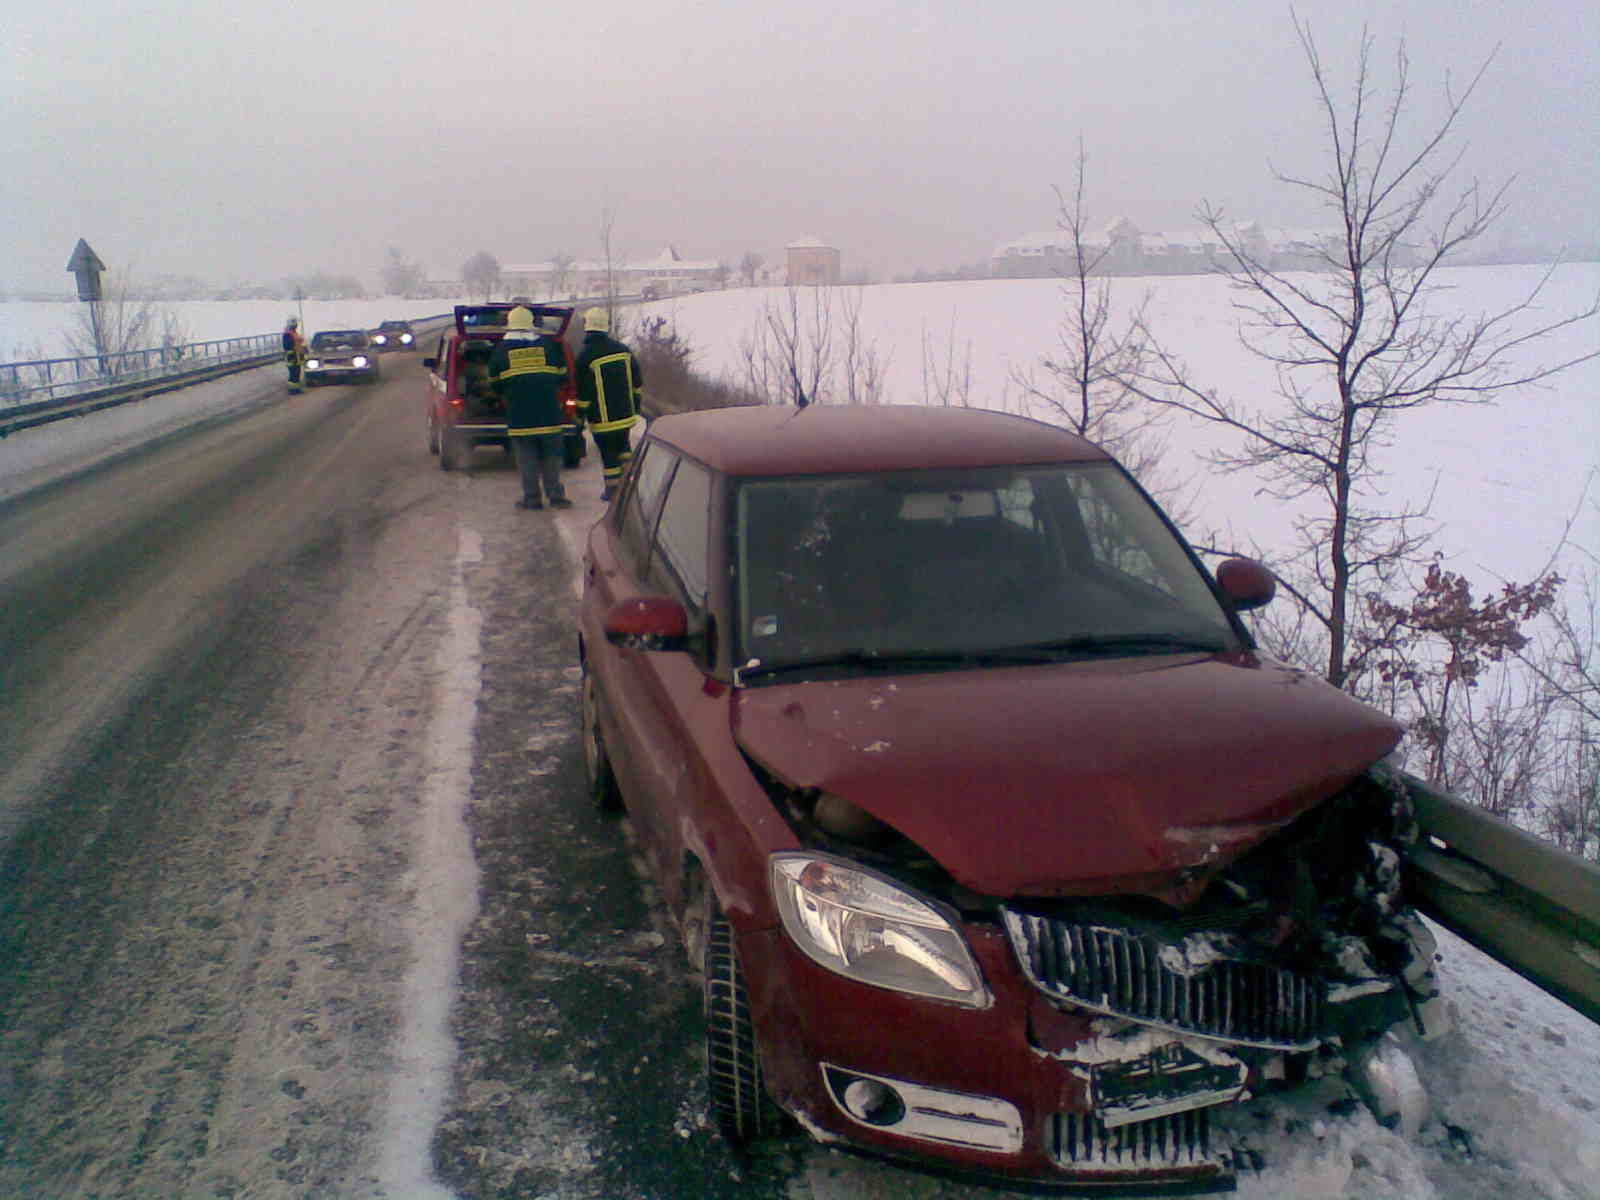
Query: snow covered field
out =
(1506, 478)
(1516, 1088)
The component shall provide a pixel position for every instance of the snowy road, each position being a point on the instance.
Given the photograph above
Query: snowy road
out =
(288, 745)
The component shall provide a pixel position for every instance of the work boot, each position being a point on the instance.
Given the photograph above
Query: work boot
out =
(563, 502)
(530, 504)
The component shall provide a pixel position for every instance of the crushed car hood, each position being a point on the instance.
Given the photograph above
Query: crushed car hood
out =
(1072, 779)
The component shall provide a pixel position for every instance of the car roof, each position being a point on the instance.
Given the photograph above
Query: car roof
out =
(844, 439)
(470, 318)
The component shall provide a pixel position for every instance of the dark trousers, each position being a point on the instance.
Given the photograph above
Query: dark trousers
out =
(614, 455)
(292, 361)
(539, 460)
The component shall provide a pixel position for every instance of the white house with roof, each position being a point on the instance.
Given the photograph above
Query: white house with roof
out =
(812, 262)
(669, 270)
(1122, 248)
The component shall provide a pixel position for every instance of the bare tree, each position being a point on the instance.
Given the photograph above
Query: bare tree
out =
(862, 366)
(402, 276)
(561, 265)
(946, 370)
(749, 265)
(1085, 382)
(123, 320)
(608, 222)
(481, 273)
(1357, 340)
(803, 351)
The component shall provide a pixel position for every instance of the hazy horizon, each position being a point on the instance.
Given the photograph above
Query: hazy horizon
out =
(237, 146)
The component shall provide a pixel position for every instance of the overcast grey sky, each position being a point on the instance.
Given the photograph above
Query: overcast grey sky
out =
(257, 141)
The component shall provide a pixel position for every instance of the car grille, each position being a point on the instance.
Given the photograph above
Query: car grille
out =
(1081, 1142)
(1121, 973)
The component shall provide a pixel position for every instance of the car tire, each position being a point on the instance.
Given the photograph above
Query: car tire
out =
(734, 1084)
(572, 453)
(603, 790)
(447, 450)
(433, 434)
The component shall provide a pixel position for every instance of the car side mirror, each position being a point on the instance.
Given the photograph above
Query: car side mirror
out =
(431, 363)
(1246, 583)
(648, 623)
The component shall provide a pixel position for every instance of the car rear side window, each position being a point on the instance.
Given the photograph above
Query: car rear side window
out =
(679, 562)
(649, 484)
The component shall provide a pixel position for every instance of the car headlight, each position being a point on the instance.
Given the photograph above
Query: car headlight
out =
(405, 339)
(359, 360)
(381, 339)
(313, 363)
(870, 929)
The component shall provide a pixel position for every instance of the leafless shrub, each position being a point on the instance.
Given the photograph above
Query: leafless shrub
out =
(671, 384)
(807, 348)
(1358, 341)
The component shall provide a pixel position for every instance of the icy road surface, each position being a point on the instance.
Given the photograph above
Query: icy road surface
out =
(288, 748)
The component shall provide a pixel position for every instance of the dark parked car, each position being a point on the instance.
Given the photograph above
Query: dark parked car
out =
(341, 356)
(464, 411)
(394, 335)
(997, 841)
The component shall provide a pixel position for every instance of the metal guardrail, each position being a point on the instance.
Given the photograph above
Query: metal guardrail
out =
(158, 370)
(42, 380)
(17, 417)
(38, 391)
(1523, 901)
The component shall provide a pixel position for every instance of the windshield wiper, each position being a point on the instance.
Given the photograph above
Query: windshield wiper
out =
(998, 656)
(1116, 643)
(865, 660)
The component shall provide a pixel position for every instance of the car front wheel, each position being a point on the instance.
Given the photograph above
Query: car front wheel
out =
(603, 790)
(737, 1093)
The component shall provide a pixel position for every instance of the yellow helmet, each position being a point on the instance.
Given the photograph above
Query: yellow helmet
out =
(596, 320)
(519, 318)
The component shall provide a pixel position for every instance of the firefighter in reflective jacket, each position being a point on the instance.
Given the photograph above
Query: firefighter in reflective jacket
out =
(294, 353)
(609, 387)
(529, 366)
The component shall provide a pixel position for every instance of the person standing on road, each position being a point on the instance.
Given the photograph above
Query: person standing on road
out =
(529, 367)
(610, 385)
(294, 353)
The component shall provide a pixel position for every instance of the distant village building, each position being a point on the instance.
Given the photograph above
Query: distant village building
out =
(1122, 248)
(668, 273)
(812, 262)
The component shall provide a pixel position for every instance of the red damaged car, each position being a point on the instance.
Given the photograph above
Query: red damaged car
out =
(999, 845)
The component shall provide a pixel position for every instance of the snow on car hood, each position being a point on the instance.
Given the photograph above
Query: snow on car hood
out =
(1077, 778)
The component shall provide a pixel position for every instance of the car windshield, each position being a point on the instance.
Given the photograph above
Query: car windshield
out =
(1015, 564)
(339, 341)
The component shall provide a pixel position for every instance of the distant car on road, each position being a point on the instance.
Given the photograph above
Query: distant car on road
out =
(463, 409)
(996, 841)
(394, 335)
(341, 356)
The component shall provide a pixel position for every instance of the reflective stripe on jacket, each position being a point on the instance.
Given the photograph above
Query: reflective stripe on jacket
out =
(529, 375)
(609, 384)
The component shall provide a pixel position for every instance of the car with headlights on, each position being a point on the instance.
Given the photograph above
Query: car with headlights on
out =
(390, 336)
(997, 841)
(341, 356)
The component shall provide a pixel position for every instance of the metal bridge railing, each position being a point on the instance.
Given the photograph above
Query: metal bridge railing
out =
(46, 379)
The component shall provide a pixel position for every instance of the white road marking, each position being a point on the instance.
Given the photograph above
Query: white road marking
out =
(444, 879)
